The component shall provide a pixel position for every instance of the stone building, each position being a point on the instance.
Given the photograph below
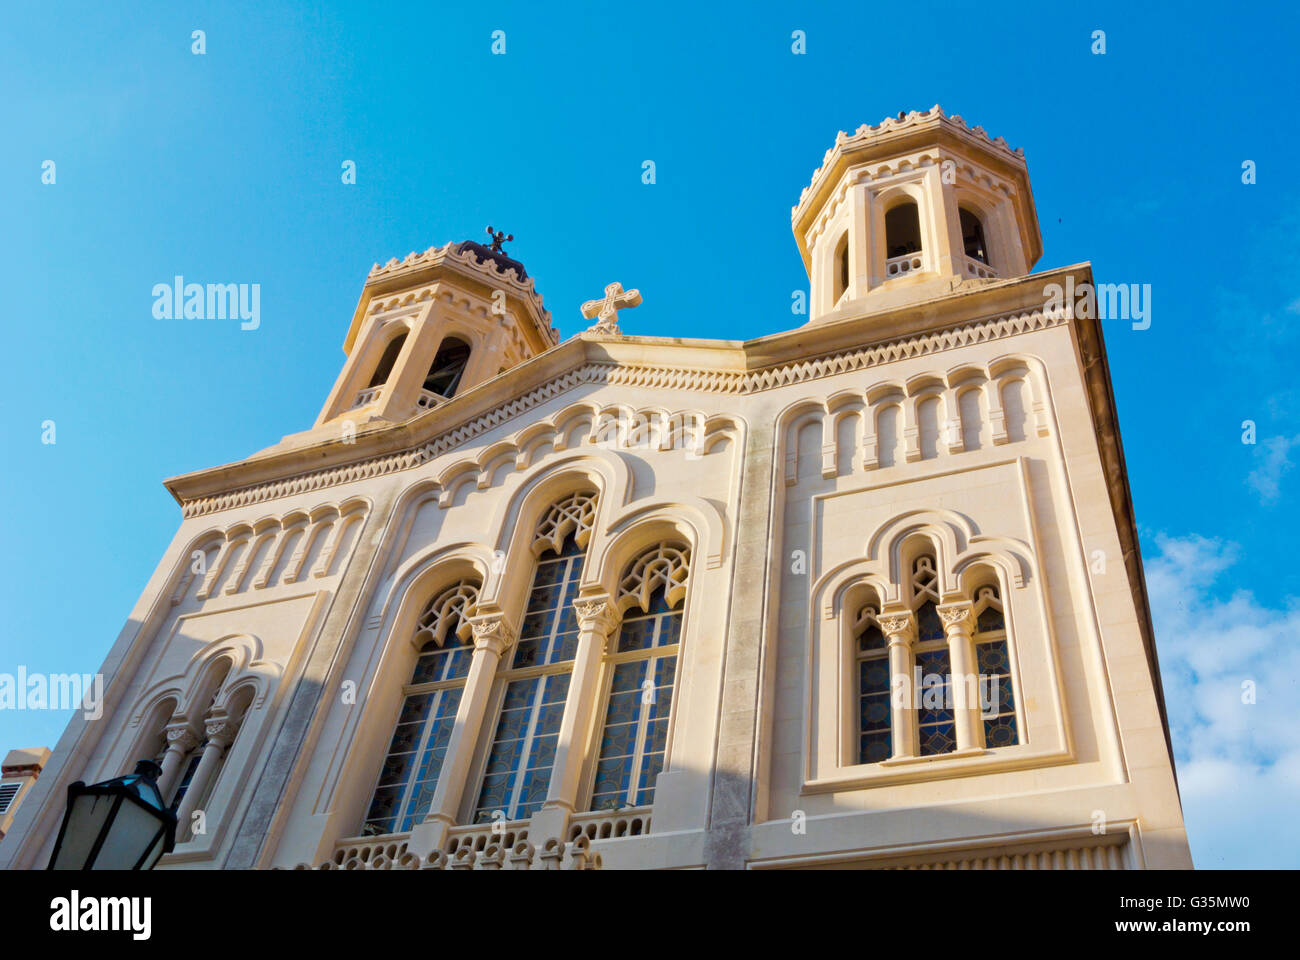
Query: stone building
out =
(865, 593)
(18, 774)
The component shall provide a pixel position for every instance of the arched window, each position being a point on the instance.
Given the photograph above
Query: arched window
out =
(206, 699)
(934, 710)
(521, 757)
(386, 362)
(634, 735)
(841, 267)
(875, 737)
(997, 697)
(902, 230)
(447, 368)
(410, 772)
(972, 236)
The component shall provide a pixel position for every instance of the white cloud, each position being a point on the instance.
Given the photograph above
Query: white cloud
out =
(1238, 763)
(1266, 479)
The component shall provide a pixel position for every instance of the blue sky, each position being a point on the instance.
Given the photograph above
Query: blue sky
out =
(226, 168)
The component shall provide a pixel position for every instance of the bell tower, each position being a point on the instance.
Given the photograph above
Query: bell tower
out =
(432, 326)
(911, 210)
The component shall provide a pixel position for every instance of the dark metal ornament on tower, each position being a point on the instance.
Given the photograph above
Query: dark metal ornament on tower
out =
(499, 237)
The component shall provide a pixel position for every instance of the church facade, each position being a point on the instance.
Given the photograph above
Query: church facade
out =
(862, 594)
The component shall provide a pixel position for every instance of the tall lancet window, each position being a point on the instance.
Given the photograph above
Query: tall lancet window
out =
(874, 721)
(934, 707)
(522, 754)
(997, 698)
(447, 368)
(416, 753)
(634, 737)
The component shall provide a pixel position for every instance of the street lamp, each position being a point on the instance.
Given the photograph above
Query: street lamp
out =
(120, 824)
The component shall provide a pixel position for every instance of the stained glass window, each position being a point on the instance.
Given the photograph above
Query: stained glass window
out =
(875, 741)
(934, 719)
(409, 775)
(518, 772)
(549, 633)
(521, 757)
(997, 694)
(934, 695)
(634, 736)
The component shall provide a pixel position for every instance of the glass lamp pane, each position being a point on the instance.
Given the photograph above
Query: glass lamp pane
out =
(86, 817)
(130, 835)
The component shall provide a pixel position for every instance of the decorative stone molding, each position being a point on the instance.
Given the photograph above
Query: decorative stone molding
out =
(391, 854)
(671, 379)
(889, 125)
(466, 260)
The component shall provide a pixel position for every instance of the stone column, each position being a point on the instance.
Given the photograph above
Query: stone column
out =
(958, 618)
(597, 620)
(900, 628)
(181, 739)
(493, 636)
(221, 732)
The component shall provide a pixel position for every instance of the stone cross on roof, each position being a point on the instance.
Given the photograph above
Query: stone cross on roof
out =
(606, 309)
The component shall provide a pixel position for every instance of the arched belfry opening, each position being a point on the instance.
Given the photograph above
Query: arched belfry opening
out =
(972, 236)
(447, 368)
(902, 230)
(385, 366)
(841, 267)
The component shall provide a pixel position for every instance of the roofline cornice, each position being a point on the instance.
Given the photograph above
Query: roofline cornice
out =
(980, 312)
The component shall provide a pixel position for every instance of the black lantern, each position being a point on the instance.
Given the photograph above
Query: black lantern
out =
(120, 824)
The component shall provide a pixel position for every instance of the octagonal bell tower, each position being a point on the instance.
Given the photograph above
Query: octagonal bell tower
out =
(911, 210)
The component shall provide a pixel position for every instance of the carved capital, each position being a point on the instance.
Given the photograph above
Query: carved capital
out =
(898, 627)
(181, 737)
(956, 615)
(492, 633)
(596, 613)
(220, 729)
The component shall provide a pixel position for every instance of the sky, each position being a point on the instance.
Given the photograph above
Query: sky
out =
(227, 167)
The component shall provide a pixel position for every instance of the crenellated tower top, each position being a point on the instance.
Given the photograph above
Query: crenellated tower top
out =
(907, 210)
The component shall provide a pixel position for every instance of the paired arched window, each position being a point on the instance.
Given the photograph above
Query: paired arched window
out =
(921, 711)
(638, 704)
(418, 748)
(448, 368)
(385, 366)
(521, 757)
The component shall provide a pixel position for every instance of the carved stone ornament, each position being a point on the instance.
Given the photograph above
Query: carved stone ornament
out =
(492, 633)
(955, 614)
